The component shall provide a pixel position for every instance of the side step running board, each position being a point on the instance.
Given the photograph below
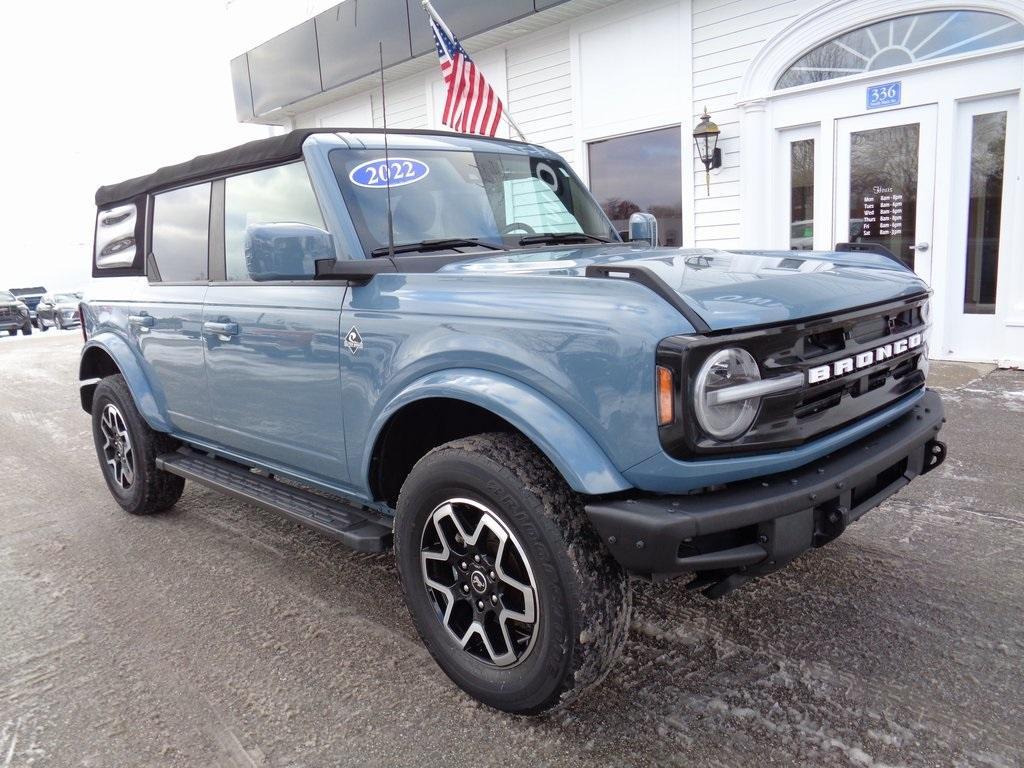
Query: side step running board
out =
(347, 522)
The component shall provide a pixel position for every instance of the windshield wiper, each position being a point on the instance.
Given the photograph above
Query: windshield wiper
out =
(560, 237)
(442, 244)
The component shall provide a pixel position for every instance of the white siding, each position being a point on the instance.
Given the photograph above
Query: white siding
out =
(726, 36)
(540, 91)
(407, 104)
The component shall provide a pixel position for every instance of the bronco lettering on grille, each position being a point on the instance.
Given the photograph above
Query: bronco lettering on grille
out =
(847, 365)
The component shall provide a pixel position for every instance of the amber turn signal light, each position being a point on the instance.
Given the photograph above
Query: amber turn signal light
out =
(666, 409)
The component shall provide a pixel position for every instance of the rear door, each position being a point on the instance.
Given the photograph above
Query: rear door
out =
(271, 332)
(164, 318)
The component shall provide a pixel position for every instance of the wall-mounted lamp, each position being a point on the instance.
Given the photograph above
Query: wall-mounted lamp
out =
(705, 136)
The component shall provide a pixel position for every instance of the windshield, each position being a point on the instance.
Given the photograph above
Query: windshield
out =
(7, 296)
(495, 197)
(65, 298)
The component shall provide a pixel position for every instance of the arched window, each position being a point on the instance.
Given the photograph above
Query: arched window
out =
(900, 41)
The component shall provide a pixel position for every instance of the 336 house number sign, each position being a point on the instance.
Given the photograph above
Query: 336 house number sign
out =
(883, 95)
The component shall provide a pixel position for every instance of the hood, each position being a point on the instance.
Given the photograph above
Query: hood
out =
(730, 289)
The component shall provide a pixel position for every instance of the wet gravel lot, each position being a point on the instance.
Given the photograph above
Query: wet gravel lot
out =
(220, 634)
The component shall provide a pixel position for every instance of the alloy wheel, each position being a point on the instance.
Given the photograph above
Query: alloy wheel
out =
(117, 446)
(480, 582)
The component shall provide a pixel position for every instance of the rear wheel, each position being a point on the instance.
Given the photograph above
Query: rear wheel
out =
(127, 448)
(509, 587)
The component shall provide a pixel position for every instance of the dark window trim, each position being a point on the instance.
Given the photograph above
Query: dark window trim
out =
(150, 258)
(216, 267)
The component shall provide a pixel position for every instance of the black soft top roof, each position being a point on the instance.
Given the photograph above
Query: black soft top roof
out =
(254, 154)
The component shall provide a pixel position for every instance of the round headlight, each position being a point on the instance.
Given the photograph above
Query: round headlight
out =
(725, 368)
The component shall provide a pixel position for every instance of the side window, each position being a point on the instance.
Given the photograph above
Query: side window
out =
(273, 228)
(181, 233)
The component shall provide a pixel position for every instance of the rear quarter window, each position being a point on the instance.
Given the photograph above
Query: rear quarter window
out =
(181, 234)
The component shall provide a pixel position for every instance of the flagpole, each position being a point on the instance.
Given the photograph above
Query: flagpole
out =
(440, 22)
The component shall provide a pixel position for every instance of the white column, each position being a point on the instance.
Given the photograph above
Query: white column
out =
(755, 174)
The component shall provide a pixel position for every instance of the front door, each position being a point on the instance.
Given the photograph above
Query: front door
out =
(270, 331)
(885, 183)
(981, 290)
(272, 356)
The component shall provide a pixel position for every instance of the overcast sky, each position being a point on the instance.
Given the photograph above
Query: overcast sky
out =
(93, 93)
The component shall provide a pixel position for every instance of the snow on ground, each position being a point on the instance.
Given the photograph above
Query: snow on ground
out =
(221, 634)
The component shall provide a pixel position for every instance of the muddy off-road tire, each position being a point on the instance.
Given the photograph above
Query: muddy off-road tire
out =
(127, 449)
(508, 585)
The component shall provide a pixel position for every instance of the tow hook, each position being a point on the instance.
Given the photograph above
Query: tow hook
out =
(934, 454)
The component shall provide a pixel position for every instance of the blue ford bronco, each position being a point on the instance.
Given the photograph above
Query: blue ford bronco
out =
(440, 343)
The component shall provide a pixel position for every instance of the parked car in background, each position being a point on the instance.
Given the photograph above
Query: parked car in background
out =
(58, 310)
(14, 314)
(31, 297)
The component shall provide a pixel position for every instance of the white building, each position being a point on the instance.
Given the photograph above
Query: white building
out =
(888, 121)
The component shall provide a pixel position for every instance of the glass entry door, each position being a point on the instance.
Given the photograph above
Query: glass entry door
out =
(980, 286)
(885, 182)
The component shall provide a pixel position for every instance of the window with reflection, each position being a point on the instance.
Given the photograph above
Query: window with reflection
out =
(181, 234)
(801, 195)
(900, 41)
(883, 188)
(641, 172)
(984, 212)
(273, 228)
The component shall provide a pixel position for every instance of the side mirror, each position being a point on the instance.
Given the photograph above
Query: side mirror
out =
(643, 227)
(286, 251)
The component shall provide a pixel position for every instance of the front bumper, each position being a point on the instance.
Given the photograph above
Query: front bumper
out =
(756, 526)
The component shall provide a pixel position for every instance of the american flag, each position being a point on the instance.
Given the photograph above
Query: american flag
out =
(471, 105)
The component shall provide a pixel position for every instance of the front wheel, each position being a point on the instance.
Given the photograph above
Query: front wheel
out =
(127, 449)
(507, 583)
(26, 329)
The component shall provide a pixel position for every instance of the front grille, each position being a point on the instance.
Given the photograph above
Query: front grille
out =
(791, 418)
(6, 312)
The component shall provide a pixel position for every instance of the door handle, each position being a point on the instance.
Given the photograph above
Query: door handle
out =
(142, 321)
(922, 247)
(221, 329)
